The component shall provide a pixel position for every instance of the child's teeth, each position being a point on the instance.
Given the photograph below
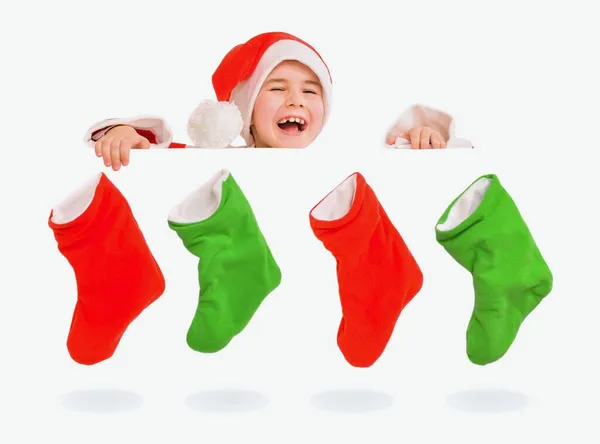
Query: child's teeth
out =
(293, 120)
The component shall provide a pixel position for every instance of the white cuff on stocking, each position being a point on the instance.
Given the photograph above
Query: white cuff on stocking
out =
(202, 203)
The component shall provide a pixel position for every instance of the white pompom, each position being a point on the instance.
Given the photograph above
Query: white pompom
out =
(215, 124)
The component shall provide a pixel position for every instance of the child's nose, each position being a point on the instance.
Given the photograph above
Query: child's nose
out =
(295, 98)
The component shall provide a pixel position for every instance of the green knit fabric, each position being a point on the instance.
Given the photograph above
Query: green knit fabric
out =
(236, 269)
(510, 276)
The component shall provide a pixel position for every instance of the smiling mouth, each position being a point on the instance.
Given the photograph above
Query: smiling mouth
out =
(292, 125)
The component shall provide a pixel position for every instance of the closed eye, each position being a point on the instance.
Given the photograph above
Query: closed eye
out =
(276, 89)
(310, 91)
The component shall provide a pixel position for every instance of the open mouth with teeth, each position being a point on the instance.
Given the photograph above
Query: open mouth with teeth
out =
(292, 125)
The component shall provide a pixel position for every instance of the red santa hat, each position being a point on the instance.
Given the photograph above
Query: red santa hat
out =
(238, 80)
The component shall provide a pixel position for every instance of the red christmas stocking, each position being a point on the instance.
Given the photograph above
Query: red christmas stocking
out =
(377, 274)
(117, 276)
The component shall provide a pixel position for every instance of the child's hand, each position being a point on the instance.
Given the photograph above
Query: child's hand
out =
(421, 137)
(115, 145)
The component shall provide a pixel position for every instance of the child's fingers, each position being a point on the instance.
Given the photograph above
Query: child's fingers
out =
(393, 135)
(442, 142)
(440, 138)
(98, 148)
(115, 154)
(124, 149)
(436, 140)
(426, 137)
(415, 137)
(106, 151)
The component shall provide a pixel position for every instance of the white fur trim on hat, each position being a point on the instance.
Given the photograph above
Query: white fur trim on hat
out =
(245, 93)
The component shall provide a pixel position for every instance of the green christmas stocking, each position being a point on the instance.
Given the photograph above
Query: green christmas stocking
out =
(236, 269)
(484, 232)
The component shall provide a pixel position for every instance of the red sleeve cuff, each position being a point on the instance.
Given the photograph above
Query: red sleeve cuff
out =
(147, 134)
(96, 135)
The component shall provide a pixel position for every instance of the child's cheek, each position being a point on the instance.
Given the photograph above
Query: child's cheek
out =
(317, 101)
(316, 107)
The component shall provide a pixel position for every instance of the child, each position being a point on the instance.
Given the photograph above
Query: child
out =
(274, 90)
(422, 127)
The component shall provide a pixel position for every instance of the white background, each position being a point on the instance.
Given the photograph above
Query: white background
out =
(519, 77)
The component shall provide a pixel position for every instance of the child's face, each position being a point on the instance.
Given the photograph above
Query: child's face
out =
(292, 91)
